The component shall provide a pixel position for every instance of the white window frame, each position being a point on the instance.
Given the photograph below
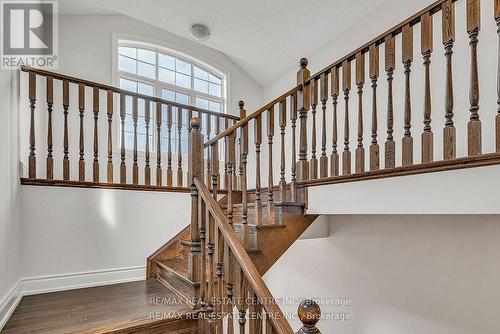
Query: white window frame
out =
(120, 40)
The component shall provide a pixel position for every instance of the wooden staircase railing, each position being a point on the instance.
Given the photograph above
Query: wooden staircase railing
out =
(305, 164)
(217, 257)
(79, 124)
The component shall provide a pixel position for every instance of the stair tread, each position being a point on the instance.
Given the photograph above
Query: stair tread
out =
(178, 265)
(264, 203)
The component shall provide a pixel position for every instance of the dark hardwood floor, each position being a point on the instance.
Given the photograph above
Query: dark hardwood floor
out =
(136, 307)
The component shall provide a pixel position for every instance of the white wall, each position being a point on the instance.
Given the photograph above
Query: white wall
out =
(403, 273)
(10, 228)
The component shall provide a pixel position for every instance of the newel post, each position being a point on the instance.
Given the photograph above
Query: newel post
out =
(303, 104)
(195, 159)
(309, 314)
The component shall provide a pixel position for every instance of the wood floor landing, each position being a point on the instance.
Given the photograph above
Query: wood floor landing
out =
(136, 307)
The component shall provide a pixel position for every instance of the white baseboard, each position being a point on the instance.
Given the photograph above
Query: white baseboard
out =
(52, 283)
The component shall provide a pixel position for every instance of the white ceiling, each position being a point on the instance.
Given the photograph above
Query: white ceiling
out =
(263, 37)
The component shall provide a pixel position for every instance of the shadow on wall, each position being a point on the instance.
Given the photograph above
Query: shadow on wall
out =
(403, 274)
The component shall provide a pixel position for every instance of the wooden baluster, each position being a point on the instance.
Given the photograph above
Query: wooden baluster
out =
(147, 119)
(235, 161)
(110, 136)
(254, 322)
(335, 92)
(219, 249)
(211, 262)
(497, 117)
(269, 325)
(293, 119)
(81, 108)
(215, 168)
(226, 148)
(323, 161)
(50, 103)
(66, 134)
(427, 135)
(258, 142)
(282, 119)
(313, 164)
(390, 65)
(374, 73)
(209, 163)
(407, 141)
(95, 165)
(449, 131)
(230, 170)
(244, 155)
(32, 98)
(309, 314)
(123, 167)
(217, 131)
(159, 120)
(270, 180)
(229, 274)
(195, 142)
(170, 176)
(179, 147)
(241, 303)
(203, 293)
(474, 125)
(360, 82)
(303, 103)
(346, 155)
(135, 118)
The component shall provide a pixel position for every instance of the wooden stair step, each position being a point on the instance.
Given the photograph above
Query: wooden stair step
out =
(173, 279)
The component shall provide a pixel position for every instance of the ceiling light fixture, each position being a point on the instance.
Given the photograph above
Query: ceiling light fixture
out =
(200, 32)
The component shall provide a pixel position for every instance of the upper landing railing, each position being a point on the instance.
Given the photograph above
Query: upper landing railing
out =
(73, 121)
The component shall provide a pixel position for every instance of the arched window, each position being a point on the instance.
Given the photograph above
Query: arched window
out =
(153, 70)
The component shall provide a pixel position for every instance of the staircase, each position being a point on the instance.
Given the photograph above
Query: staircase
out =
(264, 243)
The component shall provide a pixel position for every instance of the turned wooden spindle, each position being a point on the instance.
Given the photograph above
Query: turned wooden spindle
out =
(270, 179)
(226, 148)
(135, 118)
(123, 166)
(202, 225)
(50, 103)
(407, 53)
(195, 156)
(159, 120)
(211, 270)
(147, 166)
(209, 162)
(360, 82)
(230, 163)
(313, 164)
(180, 173)
(303, 104)
(254, 311)
(109, 166)
(95, 165)
(81, 108)
(390, 65)
(346, 86)
(258, 142)
(323, 161)
(309, 314)
(170, 173)
(214, 153)
(244, 155)
(229, 278)
(293, 165)
(242, 302)
(217, 131)
(449, 131)
(474, 125)
(335, 92)
(32, 99)
(235, 156)
(427, 135)
(374, 74)
(282, 120)
(65, 134)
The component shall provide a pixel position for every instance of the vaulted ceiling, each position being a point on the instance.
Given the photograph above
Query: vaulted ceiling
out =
(264, 37)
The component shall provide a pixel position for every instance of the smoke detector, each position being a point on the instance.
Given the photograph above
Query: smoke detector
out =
(200, 32)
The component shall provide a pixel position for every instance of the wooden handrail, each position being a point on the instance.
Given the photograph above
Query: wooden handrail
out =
(412, 20)
(253, 115)
(280, 324)
(101, 86)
